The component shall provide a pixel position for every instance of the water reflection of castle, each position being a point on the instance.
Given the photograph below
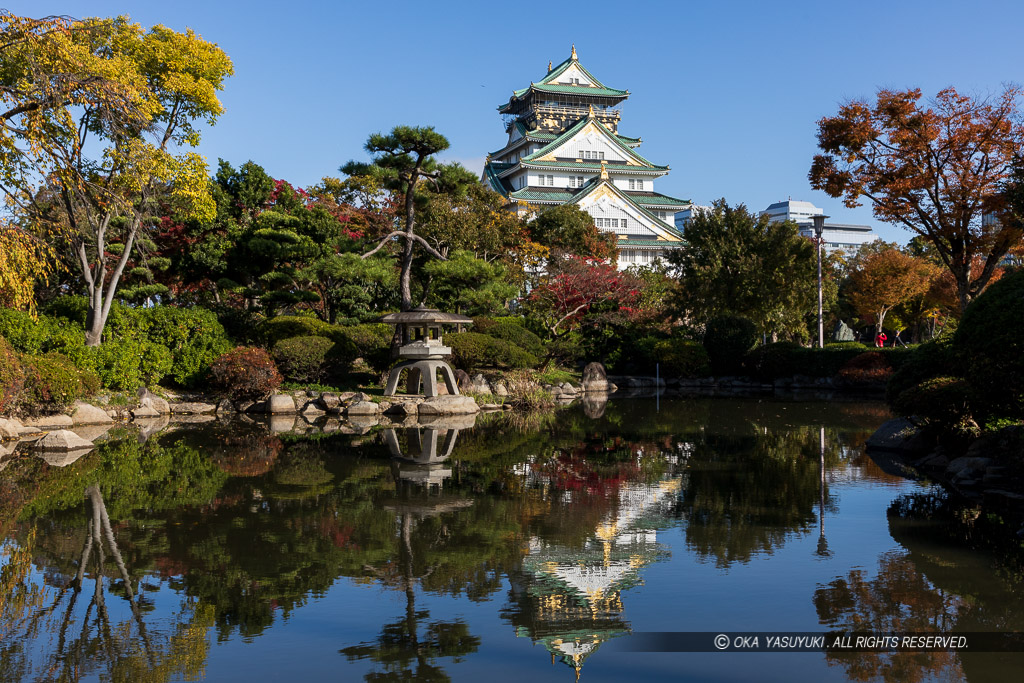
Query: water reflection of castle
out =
(569, 598)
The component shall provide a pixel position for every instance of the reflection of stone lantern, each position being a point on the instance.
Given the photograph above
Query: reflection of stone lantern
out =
(423, 351)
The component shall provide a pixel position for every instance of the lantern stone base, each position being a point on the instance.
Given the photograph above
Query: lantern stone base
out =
(422, 377)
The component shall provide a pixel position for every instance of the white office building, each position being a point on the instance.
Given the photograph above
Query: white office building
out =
(836, 236)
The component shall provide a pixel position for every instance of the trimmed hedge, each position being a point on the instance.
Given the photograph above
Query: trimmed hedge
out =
(372, 343)
(676, 358)
(727, 339)
(245, 374)
(512, 330)
(12, 377)
(990, 339)
(944, 400)
(141, 345)
(303, 359)
(472, 351)
(194, 337)
(932, 359)
(865, 370)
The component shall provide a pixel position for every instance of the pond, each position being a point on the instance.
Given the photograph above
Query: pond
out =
(542, 547)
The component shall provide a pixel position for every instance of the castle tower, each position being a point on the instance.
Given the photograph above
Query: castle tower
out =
(564, 147)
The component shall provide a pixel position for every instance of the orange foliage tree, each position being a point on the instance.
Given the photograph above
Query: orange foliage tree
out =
(936, 170)
(886, 279)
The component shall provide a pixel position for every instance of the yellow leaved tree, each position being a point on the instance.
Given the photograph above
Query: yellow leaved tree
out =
(96, 116)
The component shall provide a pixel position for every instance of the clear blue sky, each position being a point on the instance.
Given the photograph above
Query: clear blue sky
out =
(727, 93)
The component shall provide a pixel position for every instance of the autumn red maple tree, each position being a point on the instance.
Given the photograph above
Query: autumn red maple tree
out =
(575, 285)
(939, 169)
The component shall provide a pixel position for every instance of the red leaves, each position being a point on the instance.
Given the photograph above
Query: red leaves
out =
(577, 286)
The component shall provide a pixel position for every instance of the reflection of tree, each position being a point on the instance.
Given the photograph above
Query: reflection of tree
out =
(401, 649)
(748, 492)
(899, 600)
(32, 615)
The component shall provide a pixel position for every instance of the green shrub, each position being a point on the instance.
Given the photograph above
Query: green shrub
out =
(52, 382)
(127, 364)
(935, 358)
(12, 376)
(865, 370)
(245, 374)
(194, 337)
(942, 400)
(511, 330)
(303, 359)
(40, 335)
(990, 338)
(286, 326)
(727, 339)
(369, 341)
(682, 358)
(775, 360)
(472, 351)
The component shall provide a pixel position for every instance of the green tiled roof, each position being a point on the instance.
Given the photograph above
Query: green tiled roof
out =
(579, 90)
(493, 178)
(647, 243)
(576, 128)
(531, 195)
(655, 199)
(558, 70)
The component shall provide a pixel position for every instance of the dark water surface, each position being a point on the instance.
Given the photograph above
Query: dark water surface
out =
(510, 549)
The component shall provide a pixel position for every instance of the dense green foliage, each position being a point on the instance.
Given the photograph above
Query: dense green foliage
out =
(675, 358)
(944, 400)
(52, 382)
(245, 374)
(304, 359)
(511, 330)
(742, 264)
(474, 351)
(990, 339)
(727, 339)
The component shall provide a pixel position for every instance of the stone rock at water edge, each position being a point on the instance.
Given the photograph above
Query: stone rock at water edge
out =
(86, 414)
(62, 440)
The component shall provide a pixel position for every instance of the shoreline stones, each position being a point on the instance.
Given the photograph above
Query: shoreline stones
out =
(62, 440)
(86, 414)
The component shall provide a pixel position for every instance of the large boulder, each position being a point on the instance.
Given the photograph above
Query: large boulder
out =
(145, 411)
(449, 405)
(899, 435)
(362, 408)
(462, 379)
(49, 421)
(281, 404)
(62, 440)
(84, 414)
(595, 378)
(9, 428)
(161, 406)
(188, 407)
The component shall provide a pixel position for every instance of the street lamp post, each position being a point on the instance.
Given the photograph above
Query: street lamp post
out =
(819, 227)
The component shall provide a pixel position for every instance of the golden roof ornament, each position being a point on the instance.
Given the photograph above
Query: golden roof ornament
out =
(549, 67)
(590, 114)
(604, 170)
(573, 55)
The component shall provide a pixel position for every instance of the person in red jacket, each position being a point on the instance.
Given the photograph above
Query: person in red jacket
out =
(880, 339)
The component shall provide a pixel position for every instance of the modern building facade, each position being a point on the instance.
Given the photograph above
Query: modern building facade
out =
(836, 236)
(564, 147)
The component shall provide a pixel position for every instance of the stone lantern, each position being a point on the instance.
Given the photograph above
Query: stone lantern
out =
(423, 352)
